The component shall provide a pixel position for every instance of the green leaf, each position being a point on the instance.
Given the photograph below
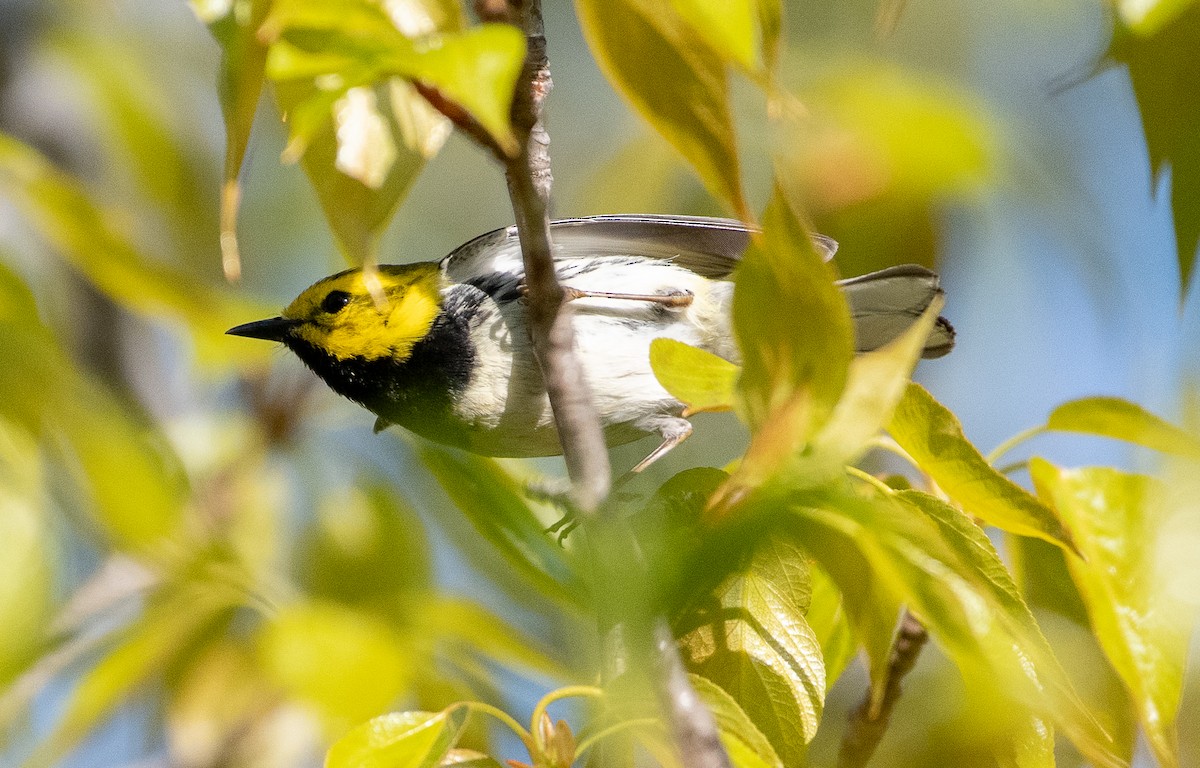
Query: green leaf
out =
(1122, 420)
(398, 740)
(1142, 627)
(758, 647)
(934, 438)
(874, 386)
(746, 746)
(496, 507)
(340, 45)
(469, 627)
(89, 238)
(26, 560)
(243, 62)
(684, 95)
(347, 664)
(729, 28)
(367, 548)
(1159, 47)
(699, 379)
(830, 624)
(947, 576)
(127, 475)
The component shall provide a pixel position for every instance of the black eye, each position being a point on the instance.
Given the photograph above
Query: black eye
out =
(334, 301)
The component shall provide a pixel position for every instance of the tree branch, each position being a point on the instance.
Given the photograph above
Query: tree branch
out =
(866, 728)
(529, 181)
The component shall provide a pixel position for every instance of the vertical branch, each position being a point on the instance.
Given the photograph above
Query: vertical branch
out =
(529, 181)
(579, 430)
(866, 727)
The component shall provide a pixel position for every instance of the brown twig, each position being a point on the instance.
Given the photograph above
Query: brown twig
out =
(529, 181)
(866, 727)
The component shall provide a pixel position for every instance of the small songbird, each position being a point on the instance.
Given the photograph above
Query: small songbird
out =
(443, 348)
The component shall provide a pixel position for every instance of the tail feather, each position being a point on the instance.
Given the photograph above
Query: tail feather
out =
(885, 303)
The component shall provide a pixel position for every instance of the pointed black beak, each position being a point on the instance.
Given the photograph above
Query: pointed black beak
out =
(271, 329)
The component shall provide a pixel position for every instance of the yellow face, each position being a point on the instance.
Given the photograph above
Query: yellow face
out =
(341, 314)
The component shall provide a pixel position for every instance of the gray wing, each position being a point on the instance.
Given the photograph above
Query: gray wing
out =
(709, 247)
(885, 303)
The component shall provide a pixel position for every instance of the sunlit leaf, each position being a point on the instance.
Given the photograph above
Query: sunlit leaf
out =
(398, 740)
(729, 28)
(469, 758)
(1122, 420)
(1158, 41)
(1142, 628)
(743, 741)
(495, 506)
(125, 472)
(757, 646)
(243, 61)
(685, 97)
(699, 379)
(830, 625)
(874, 386)
(955, 593)
(347, 664)
(89, 238)
(934, 438)
(350, 43)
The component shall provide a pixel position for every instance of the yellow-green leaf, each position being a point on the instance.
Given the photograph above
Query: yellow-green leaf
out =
(745, 744)
(1122, 420)
(760, 649)
(1140, 624)
(664, 69)
(398, 740)
(699, 379)
(89, 238)
(243, 62)
(932, 435)
(730, 28)
(346, 664)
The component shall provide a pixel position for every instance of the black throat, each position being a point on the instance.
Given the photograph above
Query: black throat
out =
(417, 393)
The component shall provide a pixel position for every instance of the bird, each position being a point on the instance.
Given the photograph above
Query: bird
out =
(442, 348)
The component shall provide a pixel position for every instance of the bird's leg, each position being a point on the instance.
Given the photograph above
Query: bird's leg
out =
(673, 300)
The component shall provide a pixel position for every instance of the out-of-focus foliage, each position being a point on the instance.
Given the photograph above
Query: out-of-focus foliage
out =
(189, 530)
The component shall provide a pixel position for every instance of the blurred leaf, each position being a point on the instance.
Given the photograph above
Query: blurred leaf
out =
(243, 62)
(495, 506)
(827, 617)
(933, 437)
(88, 237)
(398, 740)
(367, 549)
(470, 627)
(874, 154)
(1159, 47)
(26, 556)
(756, 645)
(770, 23)
(955, 591)
(730, 28)
(125, 469)
(1142, 628)
(347, 664)
(349, 43)
(469, 758)
(178, 615)
(745, 744)
(1122, 420)
(699, 379)
(664, 69)
(874, 386)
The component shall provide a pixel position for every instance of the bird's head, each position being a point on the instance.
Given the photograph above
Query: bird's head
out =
(359, 314)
